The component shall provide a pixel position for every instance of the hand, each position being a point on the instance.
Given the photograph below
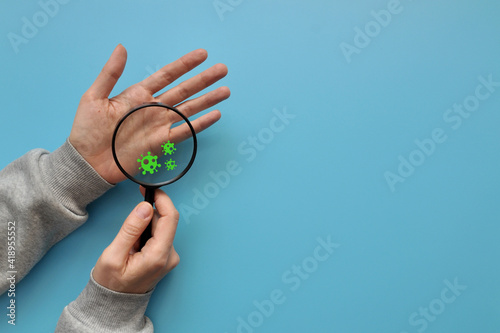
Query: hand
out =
(122, 268)
(97, 115)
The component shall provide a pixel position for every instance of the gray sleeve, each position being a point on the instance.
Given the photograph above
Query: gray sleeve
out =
(99, 309)
(44, 197)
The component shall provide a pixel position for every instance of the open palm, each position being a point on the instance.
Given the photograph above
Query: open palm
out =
(97, 114)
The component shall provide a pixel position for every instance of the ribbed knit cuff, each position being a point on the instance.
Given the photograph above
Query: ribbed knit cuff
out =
(72, 179)
(102, 309)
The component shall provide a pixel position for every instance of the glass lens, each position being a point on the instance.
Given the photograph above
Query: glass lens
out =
(148, 146)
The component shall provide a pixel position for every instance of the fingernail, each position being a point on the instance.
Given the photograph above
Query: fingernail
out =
(143, 210)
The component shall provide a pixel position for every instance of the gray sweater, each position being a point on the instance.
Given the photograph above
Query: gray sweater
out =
(45, 195)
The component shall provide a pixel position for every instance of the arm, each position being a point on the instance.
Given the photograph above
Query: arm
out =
(46, 195)
(122, 281)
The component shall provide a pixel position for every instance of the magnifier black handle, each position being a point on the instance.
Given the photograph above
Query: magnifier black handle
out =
(149, 196)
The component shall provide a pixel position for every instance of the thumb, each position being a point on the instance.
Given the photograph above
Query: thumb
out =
(131, 230)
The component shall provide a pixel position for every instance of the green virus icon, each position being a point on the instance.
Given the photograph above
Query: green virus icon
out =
(148, 163)
(170, 164)
(168, 148)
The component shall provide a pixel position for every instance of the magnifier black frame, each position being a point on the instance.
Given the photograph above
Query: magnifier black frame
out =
(154, 185)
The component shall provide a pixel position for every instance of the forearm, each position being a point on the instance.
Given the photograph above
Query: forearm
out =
(46, 195)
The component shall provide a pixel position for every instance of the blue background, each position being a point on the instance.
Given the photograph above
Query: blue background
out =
(321, 176)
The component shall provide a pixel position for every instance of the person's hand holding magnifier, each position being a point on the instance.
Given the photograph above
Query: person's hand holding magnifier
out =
(122, 268)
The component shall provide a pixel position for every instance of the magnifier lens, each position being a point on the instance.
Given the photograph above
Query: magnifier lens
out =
(146, 147)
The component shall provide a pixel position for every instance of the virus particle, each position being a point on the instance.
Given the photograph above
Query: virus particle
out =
(170, 164)
(168, 148)
(148, 163)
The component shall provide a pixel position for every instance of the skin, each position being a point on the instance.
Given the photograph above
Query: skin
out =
(122, 267)
(97, 114)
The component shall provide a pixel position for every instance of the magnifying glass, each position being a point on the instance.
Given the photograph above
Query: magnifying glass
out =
(146, 150)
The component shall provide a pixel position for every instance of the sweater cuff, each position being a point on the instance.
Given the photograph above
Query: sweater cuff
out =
(72, 179)
(102, 309)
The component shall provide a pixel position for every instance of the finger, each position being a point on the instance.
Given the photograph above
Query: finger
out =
(166, 225)
(156, 215)
(183, 132)
(131, 231)
(110, 73)
(192, 107)
(173, 71)
(193, 85)
(164, 204)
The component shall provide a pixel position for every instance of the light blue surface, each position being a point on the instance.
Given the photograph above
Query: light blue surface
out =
(321, 175)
